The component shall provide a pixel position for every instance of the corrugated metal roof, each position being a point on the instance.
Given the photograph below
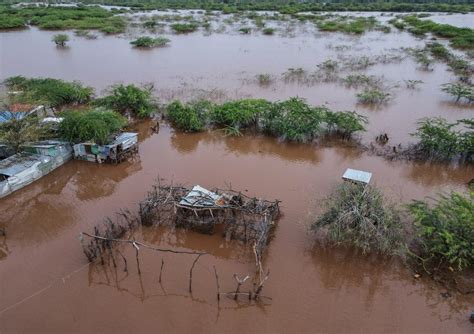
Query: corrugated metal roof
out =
(20, 162)
(200, 197)
(357, 175)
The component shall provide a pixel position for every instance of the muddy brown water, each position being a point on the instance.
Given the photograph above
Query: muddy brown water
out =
(46, 285)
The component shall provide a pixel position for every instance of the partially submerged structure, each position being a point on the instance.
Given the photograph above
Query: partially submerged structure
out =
(122, 147)
(37, 160)
(357, 176)
(244, 218)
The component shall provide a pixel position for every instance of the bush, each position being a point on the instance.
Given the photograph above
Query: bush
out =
(184, 27)
(440, 140)
(94, 125)
(150, 42)
(439, 51)
(373, 96)
(264, 79)
(359, 216)
(9, 22)
(18, 131)
(268, 31)
(293, 120)
(52, 92)
(128, 100)
(245, 30)
(60, 39)
(189, 117)
(445, 230)
(241, 113)
(459, 91)
(345, 123)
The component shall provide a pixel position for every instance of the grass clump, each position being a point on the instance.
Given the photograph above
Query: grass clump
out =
(245, 30)
(358, 80)
(191, 117)
(359, 216)
(373, 96)
(150, 42)
(183, 28)
(264, 79)
(93, 125)
(51, 92)
(268, 31)
(129, 100)
(445, 231)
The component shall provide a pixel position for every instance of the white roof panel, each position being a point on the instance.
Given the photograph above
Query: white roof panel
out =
(357, 175)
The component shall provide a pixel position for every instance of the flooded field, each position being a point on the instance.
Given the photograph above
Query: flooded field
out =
(45, 275)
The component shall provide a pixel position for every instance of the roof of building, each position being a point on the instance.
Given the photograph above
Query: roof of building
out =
(19, 162)
(357, 175)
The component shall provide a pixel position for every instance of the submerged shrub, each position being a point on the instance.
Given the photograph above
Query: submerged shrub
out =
(268, 31)
(150, 42)
(240, 113)
(439, 51)
(359, 216)
(128, 100)
(441, 140)
(18, 131)
(184, 27)
(190, 117)
(264, 79)
(52, 92)
(60, 39)
(373, 96)
(94, 125)
(445, 230)
(245, 30)
(459, 91)
(344, 123)
(293, 120)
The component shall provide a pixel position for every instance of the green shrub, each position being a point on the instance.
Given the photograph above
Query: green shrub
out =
(245, 30)
(268, 31)
(240, 113)
(373, 96)
(439, 51)
(459, 91)
(445, 230)
(441, 140)
(94, 125)
(128, 100)
(60, 39)
(52, 92)
(360, 217)
(9, 22)
(18, 131)
(190, 117)
(293, 120)
(150, 42)
(184, 27)
(344, 123)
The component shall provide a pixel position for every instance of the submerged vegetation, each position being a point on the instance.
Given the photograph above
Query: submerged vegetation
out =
(150, 42)
(441, 140)
(359, 216)
(62, 18)
(60, 39)
(90, 126)
(129, 100)
(51, 92)
(445, 231)
(292, 120)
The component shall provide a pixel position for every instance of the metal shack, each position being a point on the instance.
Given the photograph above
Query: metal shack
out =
(37, 160)
(123, 146)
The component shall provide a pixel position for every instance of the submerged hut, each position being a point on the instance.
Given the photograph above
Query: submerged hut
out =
(121, 148)
(36, 160)
(244, 218)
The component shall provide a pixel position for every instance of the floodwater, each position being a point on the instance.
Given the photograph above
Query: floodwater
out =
(47, 286)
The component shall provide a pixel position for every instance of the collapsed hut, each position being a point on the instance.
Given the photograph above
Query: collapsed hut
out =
(244, 218)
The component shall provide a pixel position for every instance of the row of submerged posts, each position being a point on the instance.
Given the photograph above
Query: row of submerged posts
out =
(37, 159)
(250, 220)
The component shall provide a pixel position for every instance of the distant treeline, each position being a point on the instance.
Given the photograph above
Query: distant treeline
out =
(287, 6)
